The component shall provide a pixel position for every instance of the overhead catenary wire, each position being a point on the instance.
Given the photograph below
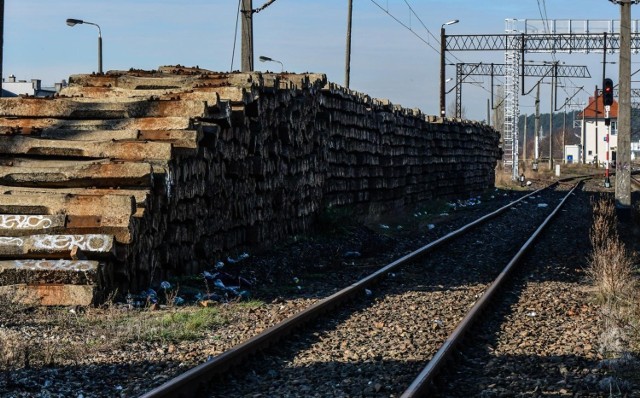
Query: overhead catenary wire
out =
(386, 11)
(235, 36)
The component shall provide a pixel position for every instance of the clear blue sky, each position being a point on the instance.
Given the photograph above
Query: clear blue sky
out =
(388, 60)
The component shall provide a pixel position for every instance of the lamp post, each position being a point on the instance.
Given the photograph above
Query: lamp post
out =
(262, 58)
(443, 50)
(73, 22)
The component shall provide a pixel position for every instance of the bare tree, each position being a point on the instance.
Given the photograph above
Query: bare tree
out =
(498, 110)
(451, 110)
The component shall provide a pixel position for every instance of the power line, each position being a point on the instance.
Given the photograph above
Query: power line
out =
(386, 11)
(425, 27)
(405, 26)
(235, 36)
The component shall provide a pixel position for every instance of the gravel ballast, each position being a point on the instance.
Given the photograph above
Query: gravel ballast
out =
(105, 352)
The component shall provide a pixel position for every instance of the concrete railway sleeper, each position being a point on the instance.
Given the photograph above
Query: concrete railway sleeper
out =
(371, 337)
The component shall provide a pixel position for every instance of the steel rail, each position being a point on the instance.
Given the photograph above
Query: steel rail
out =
(424, 381)
(194, 380)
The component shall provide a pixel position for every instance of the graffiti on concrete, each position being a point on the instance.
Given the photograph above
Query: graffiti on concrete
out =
(11, 241)
(13, 221)
(91, 242)
(56, 265)
(96, 243)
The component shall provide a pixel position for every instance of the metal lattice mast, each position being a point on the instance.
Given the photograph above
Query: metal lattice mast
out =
(568, 36)
(459, 79)
(511, 102)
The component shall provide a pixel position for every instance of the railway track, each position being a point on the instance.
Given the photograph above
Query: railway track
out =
(546, 337)
(403, 313)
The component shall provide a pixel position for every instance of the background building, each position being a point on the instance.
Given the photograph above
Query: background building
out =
(11, 87)
(596, 138)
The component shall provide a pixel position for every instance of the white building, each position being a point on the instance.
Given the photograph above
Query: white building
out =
(13, 88)
(597, 139)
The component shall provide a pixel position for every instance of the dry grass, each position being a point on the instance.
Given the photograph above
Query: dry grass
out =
(611, 265)
(613, 272)
(34, 336)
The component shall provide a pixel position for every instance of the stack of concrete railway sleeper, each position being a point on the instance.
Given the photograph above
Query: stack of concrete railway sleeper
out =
(103, 183)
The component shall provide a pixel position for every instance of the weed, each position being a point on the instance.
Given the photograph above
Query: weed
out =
(250, 304)
(612, 270)
(180, 325)
(611, 265)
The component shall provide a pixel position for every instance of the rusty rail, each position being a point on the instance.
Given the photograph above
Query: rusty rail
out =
(194, 381)
(424, 382)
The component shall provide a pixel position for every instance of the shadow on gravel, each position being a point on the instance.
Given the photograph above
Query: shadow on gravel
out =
(488, 375)
(108, 380)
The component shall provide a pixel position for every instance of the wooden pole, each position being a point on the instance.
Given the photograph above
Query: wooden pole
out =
(524, 142)
(347, 67)
(623, 153)
(247, 36)
(1, 40)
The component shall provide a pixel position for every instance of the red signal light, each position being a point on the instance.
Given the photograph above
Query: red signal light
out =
(608, 92)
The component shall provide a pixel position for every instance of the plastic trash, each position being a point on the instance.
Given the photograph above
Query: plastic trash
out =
(219, 265)
(241, 257)
(351, 254)
(150, 296)
(178, 300)
(368, 292)
(431, 226)
(542, 205)
(384, 226)
(208, 275)
(208, 296)
(165, 285)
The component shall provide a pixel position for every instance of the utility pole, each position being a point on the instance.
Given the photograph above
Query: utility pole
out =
(564, 132)
(1, 40)
(524, 142)
(551, 127)
(536, 127)
(623, 154)
(247, 36)
(443, 49)
(347, 69)
(553, 105)
(489, 112)
(597, 160)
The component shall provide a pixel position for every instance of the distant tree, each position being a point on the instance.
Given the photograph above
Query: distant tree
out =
(451, 110)
(498, 111)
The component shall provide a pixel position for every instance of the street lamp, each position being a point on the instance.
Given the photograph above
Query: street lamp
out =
(262, 58)
(443, 50)
(74, 22)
